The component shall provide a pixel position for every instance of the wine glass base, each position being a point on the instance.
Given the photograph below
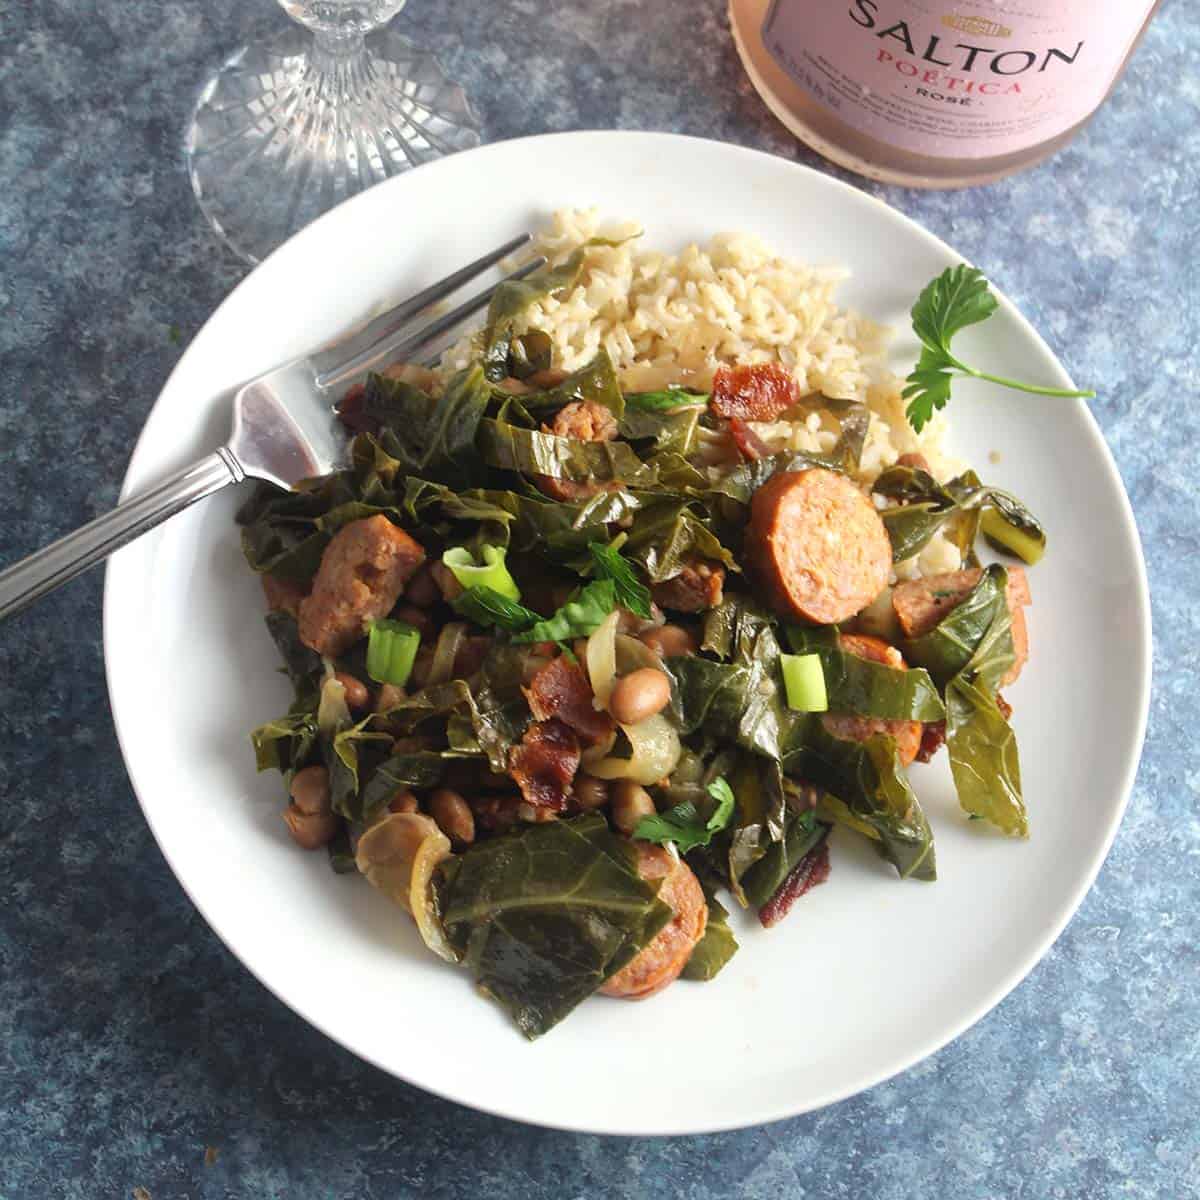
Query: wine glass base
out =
(287, 129)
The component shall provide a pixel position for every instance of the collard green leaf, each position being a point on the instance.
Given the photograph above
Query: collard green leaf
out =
(951, 644)
(435, 437)
(716, 947)
(980, 743)
(667, 536)
(279, 530)
(558, 531)
(394, 402)
(983, 756)
(495, 712)
(926, 506)
(286, 744)
(543, 916)
(532, 452)
(762, 821)
(744, 480)
(740, 702)
(423, 769)
(764, 878)
(341, 853)
(302, 664)
(868, 791)
(855, 420)
(595, 382)
(868, 689)
(530, 353)
(669, 432)
(513, 299)
(349, 755)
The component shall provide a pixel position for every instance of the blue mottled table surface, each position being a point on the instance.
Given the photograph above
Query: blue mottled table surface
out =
(136, 1053)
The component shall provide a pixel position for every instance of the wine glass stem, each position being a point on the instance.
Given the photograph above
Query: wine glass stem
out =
(336, 47)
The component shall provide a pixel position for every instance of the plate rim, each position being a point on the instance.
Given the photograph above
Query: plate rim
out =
(1038, 947)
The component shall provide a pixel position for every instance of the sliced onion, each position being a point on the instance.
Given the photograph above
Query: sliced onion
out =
(656, 750)
(399, 856)
(600, 750)
(602, 659)
(633, 654)
(654, 742)
(449, 642)
(333, 713)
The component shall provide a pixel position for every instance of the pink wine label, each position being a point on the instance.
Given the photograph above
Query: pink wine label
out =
(952, 80)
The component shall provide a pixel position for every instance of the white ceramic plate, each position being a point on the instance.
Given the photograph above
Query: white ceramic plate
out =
(868, 975)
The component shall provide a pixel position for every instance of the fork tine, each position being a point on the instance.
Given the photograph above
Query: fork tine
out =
(391, 346)
(331, 361)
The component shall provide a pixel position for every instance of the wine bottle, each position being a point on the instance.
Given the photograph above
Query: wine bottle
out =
(936, 93)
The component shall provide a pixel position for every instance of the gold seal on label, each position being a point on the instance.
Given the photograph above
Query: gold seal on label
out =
(979, 26)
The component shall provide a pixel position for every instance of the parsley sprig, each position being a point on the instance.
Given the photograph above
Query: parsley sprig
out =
(958, 297)
(684, 825)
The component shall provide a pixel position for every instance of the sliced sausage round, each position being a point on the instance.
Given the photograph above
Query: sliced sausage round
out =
(907, 734)
(817, 545)
(659, 963)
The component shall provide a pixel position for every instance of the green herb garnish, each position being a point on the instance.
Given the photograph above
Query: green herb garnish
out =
(631, 593)
(580, 617)
(958, 297)
(667, 400)
(493, 610)
(683, 824)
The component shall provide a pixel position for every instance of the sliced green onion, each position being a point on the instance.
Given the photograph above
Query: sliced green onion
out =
(804, 680)
(493, 573)
(391, 651)
(1027, 544)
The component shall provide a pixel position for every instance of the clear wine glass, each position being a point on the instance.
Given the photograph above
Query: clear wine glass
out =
(296, 122)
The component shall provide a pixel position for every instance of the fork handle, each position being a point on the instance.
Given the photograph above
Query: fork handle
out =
(28, 580)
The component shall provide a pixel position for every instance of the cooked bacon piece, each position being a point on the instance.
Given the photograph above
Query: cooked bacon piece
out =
(561, 690)
(699, 586)
(811, 871)
(282, 596)
(750, 445)
(758, 392)
(933, 738)
(544, 764)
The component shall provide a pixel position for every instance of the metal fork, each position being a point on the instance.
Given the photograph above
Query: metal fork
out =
(285, 429)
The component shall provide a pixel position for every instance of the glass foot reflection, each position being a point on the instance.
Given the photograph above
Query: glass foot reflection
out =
(293, 125)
